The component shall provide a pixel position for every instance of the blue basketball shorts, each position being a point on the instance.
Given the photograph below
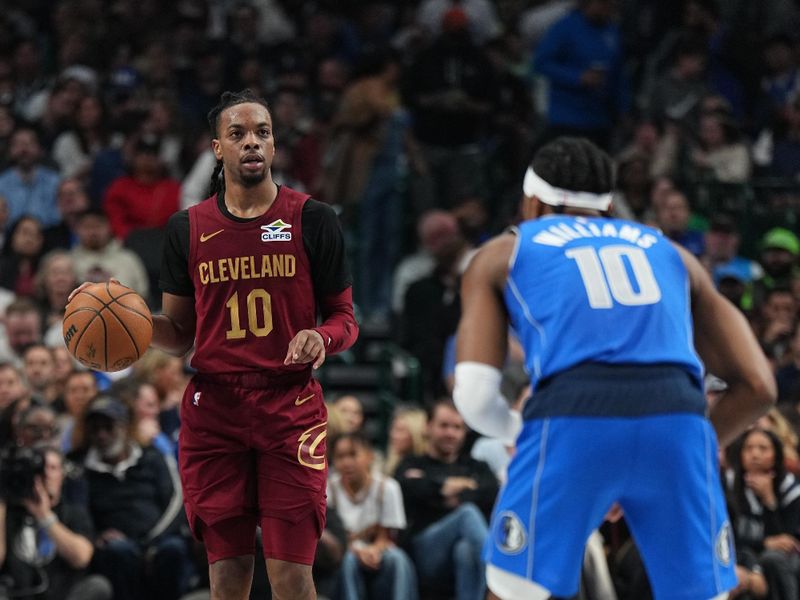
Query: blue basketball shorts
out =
(663, 470)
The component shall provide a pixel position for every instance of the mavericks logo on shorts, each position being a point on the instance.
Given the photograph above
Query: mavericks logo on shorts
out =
(275, 232)
(724, 545)
(510, 534)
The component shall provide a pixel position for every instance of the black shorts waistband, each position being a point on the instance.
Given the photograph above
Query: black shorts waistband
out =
(603, 390)
(255, 379)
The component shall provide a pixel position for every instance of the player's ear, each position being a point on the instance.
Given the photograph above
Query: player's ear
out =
(215, 146)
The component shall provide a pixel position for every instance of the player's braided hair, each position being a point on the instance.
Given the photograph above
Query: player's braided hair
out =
(226, 100)
(573, 163)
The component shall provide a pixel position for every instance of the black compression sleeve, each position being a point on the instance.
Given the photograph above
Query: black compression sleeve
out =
(174, 277)
(324, 243)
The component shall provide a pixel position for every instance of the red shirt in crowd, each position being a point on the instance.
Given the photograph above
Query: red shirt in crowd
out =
(131, 204)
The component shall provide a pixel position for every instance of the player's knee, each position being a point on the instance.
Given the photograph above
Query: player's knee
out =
(231, 577)
(290, 580)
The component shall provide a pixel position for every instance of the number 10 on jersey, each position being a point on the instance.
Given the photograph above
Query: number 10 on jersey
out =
(259, 315)
(605, 276)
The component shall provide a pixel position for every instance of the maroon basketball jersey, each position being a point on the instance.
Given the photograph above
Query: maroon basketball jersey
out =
(252, 285)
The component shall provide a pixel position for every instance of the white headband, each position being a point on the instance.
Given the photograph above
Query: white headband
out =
(533, 185)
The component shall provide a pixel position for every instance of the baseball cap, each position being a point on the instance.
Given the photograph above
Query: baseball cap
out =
(108, 407)
(783, 239)
(731, 271)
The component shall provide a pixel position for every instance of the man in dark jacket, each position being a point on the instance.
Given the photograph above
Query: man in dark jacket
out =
(447, 497)
(136, 504)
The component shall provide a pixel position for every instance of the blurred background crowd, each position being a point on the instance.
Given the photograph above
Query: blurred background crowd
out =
(416, 120)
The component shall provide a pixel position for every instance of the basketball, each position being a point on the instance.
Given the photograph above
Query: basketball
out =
(107, 326)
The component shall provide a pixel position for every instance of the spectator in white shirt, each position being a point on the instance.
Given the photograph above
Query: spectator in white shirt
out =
(371, 508)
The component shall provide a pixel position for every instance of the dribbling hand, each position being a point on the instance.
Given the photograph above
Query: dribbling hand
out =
(305, 347)
(83, 286)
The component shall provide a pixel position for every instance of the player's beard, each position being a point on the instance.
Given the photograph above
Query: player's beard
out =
(249, 180)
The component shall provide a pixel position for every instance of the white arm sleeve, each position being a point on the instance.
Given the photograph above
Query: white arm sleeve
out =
(478, 399)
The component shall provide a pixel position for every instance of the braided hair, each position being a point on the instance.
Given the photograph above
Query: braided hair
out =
(226, 100)
(576, 164)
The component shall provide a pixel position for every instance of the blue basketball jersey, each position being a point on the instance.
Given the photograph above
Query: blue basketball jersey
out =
(598, 290)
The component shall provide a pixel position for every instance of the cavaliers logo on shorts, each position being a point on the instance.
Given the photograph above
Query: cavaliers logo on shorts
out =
(311, 447)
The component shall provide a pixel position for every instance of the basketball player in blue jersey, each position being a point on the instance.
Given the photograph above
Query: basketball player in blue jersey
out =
(615, 321)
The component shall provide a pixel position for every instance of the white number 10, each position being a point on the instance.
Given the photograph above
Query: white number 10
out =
(607, 265)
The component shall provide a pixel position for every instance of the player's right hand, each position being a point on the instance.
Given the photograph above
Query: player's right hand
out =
(307, 346)
(83, 286)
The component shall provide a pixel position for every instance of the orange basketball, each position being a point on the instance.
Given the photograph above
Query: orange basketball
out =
(107, 326)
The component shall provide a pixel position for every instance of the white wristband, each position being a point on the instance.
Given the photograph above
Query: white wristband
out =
(478, 399)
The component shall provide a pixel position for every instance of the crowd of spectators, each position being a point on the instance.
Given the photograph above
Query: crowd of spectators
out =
(416, 119)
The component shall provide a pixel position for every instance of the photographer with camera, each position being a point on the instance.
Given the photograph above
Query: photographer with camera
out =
(45, 544)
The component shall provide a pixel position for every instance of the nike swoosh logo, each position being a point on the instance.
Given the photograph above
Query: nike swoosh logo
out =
(300, 401)
(205, 237)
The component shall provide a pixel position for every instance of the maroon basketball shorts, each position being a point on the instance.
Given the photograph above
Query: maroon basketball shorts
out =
(252, 452)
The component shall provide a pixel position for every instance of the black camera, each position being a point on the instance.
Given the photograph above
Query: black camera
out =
(19, 468)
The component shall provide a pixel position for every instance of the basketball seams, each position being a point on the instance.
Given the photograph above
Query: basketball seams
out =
(85, 329)
(128, 331)
(103, 302)
(95, 304)
(87, 325)
(115, 299)
(105, 342)
(80, 309)
(134, 311)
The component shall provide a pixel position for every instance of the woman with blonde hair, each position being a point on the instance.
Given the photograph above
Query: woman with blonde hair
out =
(406, 436)
(165, 373)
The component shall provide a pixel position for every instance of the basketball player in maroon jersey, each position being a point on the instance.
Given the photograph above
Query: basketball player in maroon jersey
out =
(244, 275)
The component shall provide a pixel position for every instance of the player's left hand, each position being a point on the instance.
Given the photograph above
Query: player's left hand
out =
(305, 347)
